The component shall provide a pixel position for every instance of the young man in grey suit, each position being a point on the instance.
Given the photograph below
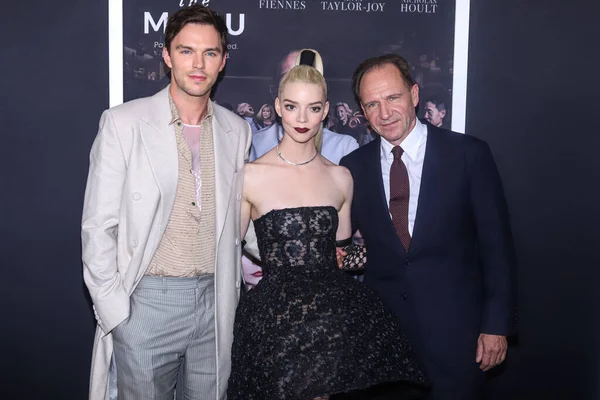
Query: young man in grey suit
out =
(161, 229)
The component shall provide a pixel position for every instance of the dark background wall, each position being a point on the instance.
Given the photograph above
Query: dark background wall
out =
(532, 77)
(533, 95)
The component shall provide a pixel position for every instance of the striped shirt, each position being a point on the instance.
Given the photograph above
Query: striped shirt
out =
(188, 245)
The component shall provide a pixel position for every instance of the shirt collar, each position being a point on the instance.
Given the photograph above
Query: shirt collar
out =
(175, 113)
(410, 144)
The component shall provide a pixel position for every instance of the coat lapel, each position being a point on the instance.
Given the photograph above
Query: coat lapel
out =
(158, 137)
(225, 146)
(428, 191)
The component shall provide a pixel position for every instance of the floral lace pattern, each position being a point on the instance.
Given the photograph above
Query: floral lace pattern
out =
(308, 329)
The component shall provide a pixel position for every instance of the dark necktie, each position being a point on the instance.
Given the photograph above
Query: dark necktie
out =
(399, 196)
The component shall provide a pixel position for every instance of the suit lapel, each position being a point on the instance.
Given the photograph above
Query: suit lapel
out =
(428, 191)
(158, 137)
(225, 146)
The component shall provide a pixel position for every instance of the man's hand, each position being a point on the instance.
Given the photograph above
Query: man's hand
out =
(491, 351)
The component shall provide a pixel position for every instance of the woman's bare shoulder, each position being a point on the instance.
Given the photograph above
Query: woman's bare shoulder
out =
(261, 169)
(340, 173)
(269, 158)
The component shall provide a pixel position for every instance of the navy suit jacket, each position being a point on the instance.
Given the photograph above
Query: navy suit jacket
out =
(454, 282)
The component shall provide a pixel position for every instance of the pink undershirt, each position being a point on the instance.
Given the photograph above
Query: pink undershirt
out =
(191, 134)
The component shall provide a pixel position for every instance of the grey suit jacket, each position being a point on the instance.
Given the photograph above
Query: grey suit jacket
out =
(129, 195)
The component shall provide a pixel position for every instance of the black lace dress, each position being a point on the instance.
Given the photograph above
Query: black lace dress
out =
(308, 329)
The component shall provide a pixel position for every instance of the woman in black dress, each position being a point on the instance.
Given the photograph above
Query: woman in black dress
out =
(308, 330)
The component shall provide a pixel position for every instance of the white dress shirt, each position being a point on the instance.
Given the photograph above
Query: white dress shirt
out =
(413, 156)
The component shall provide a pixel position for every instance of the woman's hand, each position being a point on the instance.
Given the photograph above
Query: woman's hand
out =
(339, 255)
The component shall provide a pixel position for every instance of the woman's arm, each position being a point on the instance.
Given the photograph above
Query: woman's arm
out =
(246, 209)
(247, 227)
(350, 257)
(347, 186)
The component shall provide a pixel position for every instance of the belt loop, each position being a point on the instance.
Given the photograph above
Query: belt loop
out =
(164, 282)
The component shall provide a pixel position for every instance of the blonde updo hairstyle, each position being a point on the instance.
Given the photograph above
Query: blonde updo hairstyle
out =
(308, 69)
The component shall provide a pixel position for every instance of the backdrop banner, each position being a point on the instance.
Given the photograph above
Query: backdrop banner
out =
(264, 36)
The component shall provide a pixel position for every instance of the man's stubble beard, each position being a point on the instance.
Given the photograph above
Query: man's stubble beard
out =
(184, 88)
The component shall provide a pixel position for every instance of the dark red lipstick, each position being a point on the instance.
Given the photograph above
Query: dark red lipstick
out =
(301, 130)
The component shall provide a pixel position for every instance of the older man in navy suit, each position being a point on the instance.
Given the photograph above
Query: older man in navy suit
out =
(431, 209)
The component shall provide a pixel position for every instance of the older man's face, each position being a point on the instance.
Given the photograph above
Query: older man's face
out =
(389, 103)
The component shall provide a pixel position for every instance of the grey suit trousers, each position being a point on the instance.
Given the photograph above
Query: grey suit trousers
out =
(168, 341)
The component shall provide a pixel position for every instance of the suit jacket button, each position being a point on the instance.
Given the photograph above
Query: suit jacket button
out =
(407, 262)
(404, 296)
